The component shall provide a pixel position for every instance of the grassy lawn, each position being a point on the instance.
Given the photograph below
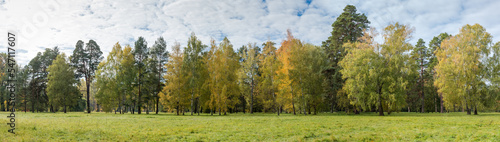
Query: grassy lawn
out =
(78, 126)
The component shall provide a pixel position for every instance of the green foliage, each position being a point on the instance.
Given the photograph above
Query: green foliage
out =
(376, 74)
(159, 56)
(61, 88)
(348, 27)
(269, 80)
(193, 64)
(140, 55)
(85, 61)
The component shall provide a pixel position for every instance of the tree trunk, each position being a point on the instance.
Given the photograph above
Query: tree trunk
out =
(332, 105)
(441, 102)
(177, 108)
(87, 83)
(422, 84)
(147, 107)
(157, 104)
(64, 108)
(251, 99)
(293, 106)
(139, 96)
(435, 105)
(475, 110)
(192, 101)
(380, 109)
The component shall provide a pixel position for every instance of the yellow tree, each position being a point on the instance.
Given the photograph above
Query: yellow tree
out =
(223, 65)
(461, 68)
(286, 89)
(173, 94)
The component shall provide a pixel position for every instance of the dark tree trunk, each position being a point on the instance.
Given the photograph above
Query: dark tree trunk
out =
(475, 110)
(380, 109)
(87, 83)
(332, 105)
(64, 108)
(422, 84)
(157, 104)
(441, 102)
(139, 98)
(293, 106)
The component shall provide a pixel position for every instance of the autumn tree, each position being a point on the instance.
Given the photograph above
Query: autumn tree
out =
(348, 27)
(434, 45)
(61, 88)
(461, 68)
(172, 95)
(85, 60)
(286, 88)
(223, 64)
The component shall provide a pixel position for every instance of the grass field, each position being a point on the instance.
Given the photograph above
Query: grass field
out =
(78, 126)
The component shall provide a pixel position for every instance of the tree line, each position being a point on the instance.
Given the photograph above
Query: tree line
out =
(349, 72)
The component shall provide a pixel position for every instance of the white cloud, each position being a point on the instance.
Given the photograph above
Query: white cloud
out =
(63, 23)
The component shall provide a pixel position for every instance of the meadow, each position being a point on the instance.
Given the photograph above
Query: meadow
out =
(79, 126)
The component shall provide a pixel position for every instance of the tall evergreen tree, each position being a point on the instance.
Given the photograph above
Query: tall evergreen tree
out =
(140, 56)
(85, 60)
(159, 54)
(348, 27)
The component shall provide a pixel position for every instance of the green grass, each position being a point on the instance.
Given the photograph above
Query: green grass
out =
(78, 126)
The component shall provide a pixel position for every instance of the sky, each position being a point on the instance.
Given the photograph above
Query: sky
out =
(42, 24)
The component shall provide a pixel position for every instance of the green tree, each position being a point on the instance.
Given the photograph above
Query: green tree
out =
(86, 60)
(140, 56)
(269, 66)
(127, 75)
(375, 74)
(348, 27)
(193, 62)
(421, 56)
(61, 88)
(108, 83)
(159, 54)
(308, 63)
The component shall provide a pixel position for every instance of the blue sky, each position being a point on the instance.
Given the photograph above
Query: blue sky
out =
(49, 23)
